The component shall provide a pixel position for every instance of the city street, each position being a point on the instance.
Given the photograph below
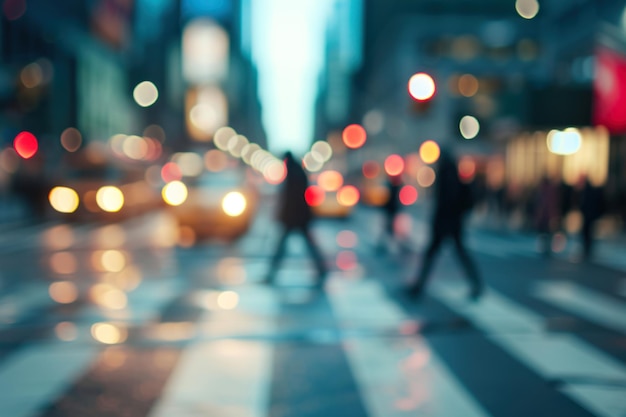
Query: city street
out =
(121, 320)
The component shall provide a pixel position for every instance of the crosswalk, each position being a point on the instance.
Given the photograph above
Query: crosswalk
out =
(225, 368)
(242, 349)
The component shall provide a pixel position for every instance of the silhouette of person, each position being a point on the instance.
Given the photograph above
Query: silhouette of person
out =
(390, 209)
(295, 215)
(592, 205)
(452, 201)
(547, 207)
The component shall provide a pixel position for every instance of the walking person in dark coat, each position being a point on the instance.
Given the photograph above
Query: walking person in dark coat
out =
(295, 215)
(452, 201)
(592, 206)
(390, 209)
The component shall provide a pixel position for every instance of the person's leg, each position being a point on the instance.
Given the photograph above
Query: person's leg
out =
(417, 287)
(278, 256)
(315, 252)
(471, 272)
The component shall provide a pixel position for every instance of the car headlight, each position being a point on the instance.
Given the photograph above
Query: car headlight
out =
(234, 203)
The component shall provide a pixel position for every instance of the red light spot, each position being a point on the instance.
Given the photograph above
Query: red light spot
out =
(25, 144)
(346, 260)
(314, 195)
(408, 195)
(467, 169)
(354, 136)
(371, 169)
(171, 172)
(394, 165)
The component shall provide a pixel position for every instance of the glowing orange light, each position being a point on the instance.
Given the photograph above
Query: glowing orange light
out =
(25, 144)
(314, 195)
(171, 172)
(468, 85)
(371, 169)
(394, 165)
(408, 195)
(421, 86)
(330, 180)
(430, 151)
(354, 136)
(348, 195)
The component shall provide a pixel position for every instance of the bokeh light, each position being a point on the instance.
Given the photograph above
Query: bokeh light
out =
(421, 86)
(468, 85)
(234, 203)
(347, 239)
(314, 195)
(14, 9)
(394, 165)
(527, 8)
(467, 169)
(348, 195)
(108, 333)
(63, 263)
(189, 163)
(110, 198)
(426, 176)
(371, 169)
(25, 144)
(354, 136)
(469, 127)
(222, 137)
(63, 199)
(174, 193)
(145, 94)
(66, 331)
(171, 172)
(31, 75)
(330, 180)
(71, 139)
(274, 171)
(346, 260)
(58, 237)
(228, 300)
(63, 292)
(408, 195)
(215, 160)
(311, 162)
(429, 151)
(322, 149)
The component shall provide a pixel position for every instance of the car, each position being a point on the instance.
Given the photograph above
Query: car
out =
(219, 205)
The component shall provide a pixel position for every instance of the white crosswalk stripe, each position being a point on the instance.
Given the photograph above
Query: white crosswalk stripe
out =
(554, 356)
(396, 377)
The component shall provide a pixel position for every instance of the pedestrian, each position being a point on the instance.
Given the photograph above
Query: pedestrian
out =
(295, 215)
(453, 200)
(390, 211)
(546, 213)
(592, 207)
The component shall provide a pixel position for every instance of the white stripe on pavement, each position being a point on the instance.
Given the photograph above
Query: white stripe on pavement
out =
(553, 356)
(584, 302)
(37, 375)
(396, 376)
(229, 378)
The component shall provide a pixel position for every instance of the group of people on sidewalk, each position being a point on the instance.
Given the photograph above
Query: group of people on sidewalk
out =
(453, 200)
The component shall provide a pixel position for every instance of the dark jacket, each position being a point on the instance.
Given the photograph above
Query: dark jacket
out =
(293, 210)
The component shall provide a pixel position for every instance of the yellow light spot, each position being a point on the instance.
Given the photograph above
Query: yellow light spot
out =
(63, 292)
(108, 333)
(348, 196)
(234, 203)
(112, 260)
(58, 237)
(108, 296)
(228, 300)
(110, 198)
(174, 193)
(111, 236)
(330, 180)
(429, 151)
(274, 172)
(63, 199)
